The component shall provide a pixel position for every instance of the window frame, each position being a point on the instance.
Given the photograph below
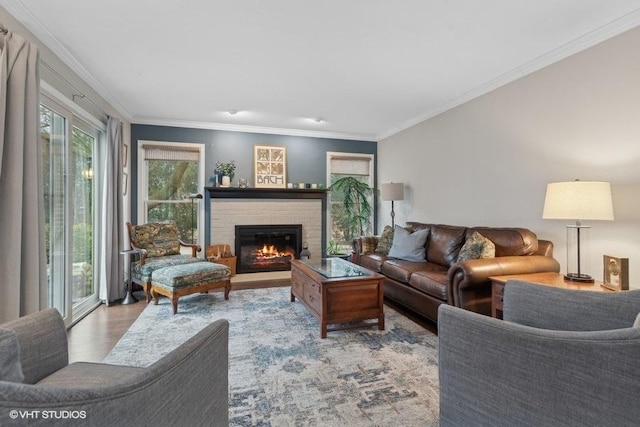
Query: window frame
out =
(334, 155)
(143, 183)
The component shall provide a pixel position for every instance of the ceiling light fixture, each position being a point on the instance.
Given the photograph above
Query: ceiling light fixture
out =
(318, 120)
(233, 112)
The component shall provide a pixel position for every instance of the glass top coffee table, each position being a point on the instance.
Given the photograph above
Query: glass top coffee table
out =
(340, 294)
(332, 268)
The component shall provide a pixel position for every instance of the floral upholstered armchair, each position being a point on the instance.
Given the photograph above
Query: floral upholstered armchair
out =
(159, 247)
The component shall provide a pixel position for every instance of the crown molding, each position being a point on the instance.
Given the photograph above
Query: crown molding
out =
(584, 42)
(21, 12)
(250, 129)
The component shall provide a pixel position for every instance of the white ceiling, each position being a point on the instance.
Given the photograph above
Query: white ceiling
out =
(369, 68)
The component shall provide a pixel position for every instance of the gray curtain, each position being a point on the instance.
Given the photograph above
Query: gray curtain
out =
(111, 216)
(23, 274)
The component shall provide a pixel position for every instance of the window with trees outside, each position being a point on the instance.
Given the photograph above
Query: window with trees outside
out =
(171, 173)
(347, 218)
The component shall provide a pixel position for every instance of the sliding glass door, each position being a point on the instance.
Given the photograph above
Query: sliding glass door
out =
(68, 156)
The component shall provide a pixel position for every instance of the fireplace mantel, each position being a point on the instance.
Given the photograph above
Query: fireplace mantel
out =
(265, 193)
(216, 193)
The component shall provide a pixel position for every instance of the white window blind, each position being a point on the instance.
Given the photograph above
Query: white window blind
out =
(154, 152)
(350, 166)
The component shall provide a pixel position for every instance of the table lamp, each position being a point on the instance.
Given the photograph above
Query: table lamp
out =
(579, 201)
(392, 191)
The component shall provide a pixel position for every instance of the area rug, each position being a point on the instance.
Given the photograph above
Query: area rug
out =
(282, 374)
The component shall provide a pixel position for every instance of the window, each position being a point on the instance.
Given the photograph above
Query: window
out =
(360, 167)
(171, 173)
(69, 148)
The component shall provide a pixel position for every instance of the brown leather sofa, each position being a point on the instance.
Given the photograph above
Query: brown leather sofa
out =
(422, 286)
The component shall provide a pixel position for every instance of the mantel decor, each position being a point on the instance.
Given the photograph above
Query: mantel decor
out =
(270, 166)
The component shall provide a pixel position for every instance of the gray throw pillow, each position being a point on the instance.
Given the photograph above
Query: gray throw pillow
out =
(10, 367)
(409, 246)
(636, 324)
(477, 247)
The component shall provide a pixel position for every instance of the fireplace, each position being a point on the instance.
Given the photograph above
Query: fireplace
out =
(267, 247)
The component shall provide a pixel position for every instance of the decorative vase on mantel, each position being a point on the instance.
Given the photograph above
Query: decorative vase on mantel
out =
(224, 173)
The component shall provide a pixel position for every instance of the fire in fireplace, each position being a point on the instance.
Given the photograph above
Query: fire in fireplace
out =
(267, 247)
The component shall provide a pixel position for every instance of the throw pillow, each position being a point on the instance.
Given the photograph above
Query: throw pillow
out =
(368, 244)
(477, 247)
(636, 324)
(10, 367)
(408, 246)
(385, 240)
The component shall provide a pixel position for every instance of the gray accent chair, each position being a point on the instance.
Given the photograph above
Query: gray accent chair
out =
(188, 386)
(560, 358)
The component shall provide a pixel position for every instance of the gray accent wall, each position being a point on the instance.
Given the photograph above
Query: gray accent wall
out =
(306, 156)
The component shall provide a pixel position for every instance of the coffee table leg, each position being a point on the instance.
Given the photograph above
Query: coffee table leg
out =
(381, 322)
(293, 297)
(323, 330)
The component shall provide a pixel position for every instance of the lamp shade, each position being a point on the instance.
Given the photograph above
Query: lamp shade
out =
(392, 191)
(578, 200)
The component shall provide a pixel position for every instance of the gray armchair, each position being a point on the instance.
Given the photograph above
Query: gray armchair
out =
(560, 358)
(188, 385)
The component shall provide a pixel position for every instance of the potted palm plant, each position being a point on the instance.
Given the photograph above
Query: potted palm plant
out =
(355, 218)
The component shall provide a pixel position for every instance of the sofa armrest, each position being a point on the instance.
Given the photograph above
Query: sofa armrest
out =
(360, 245)
(499, 373)
(469, 278)
(189, 383)
(42, 337)
(548, 307)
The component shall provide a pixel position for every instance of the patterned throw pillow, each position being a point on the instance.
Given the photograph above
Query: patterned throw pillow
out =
(368, 244)
(477, 247)
(385, 240)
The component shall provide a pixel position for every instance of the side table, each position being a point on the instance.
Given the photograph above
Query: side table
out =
(548, 279)
(129, 298)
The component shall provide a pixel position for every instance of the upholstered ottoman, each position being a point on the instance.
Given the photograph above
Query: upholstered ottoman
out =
(179, 280)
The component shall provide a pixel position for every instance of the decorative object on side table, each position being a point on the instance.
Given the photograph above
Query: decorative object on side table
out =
(578, 200)
(616, 273)
(392, 191)
(226, 170)
(270, 166)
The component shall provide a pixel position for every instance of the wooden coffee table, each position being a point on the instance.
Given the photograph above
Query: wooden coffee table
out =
(338, 293)
(548, 279)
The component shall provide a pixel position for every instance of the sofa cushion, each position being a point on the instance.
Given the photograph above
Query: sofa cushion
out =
(509, 241)
(408, 246)
(444, 245)
(433, 281)
(10, 366)
(385, 240)
(372, 261)
(401, 270)
(477, 247)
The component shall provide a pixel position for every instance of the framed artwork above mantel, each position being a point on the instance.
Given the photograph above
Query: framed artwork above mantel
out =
(270, 166)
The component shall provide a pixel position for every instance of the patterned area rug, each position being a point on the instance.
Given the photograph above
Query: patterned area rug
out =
(282, 374)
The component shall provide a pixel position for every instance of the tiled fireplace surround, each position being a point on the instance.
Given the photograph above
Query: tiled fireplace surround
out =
(228, 207)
